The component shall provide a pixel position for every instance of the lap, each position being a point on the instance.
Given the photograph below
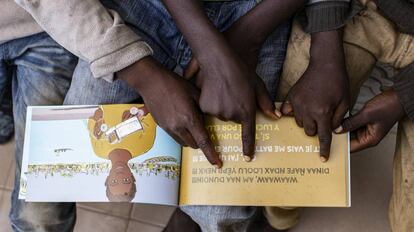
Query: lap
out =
(42, 71)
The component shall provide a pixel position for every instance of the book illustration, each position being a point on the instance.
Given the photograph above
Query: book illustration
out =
(104, 151)
(166, 165)
(118, 153)
(125, 136)
(62, 150)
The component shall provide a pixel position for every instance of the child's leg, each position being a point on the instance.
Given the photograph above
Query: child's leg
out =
(6, 118)
(5, 75)
(401, 212)
(41, 76)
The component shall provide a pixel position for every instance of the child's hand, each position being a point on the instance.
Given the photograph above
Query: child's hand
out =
(247, 48)
(374, 121)
(172, 102)
(320, 99)
(231, 91)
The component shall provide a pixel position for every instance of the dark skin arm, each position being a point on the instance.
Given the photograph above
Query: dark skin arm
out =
(172, 102)
(247, 35)
(229, 88)
(373, 122)
(320, 98)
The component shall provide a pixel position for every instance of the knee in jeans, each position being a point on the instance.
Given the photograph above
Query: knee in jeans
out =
(39, 216)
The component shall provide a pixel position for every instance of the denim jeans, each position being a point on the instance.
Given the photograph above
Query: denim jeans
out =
(4, 77)
(6, 120)
(41, 72)
(150, 19)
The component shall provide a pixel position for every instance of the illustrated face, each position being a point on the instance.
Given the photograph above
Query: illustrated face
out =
(120, 181)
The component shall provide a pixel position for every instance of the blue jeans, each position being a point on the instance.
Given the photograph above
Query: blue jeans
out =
(6, 121)
(150, 19)
(41, 72)
(4, 77)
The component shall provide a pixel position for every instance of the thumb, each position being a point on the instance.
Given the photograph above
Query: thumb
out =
(265, 102)
(192, 69)
(339, 114)
(352, 123)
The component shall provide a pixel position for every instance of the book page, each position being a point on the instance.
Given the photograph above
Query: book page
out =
(286, 171)
(99, 154)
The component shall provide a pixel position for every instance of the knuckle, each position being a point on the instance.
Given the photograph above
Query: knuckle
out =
(365, 116)
(190, 120)
(233, 115)
(310, 131)
(325, 140)
(321, 111)
(192, 145)
(246, 138)
(208, 109)
(374, 141)
(347, 124)
(203, 143)
(226, 116)
(176, 126)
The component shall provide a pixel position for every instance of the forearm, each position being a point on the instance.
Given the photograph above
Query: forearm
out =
(203, 38)
(327, 48)
(404, 88)
(89, 30)
(267, 16)
(141, 74)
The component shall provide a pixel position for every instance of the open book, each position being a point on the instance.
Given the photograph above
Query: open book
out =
(118, 153)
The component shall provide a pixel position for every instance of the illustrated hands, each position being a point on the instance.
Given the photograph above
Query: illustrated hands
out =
(98, 118)
(172, 102)
(374, 120)
(134, 112)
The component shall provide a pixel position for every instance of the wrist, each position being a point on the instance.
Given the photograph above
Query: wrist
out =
(251, 30)
(213, 47)
(140, 74)
(327, 48)
(397, 104)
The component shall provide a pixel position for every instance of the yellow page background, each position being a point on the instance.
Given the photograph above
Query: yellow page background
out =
(283, 154)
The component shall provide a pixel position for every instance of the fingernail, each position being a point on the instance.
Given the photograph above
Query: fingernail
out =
(247, 158)
(219, 164)
(339, 129)
(278, 114)
(323, 159)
